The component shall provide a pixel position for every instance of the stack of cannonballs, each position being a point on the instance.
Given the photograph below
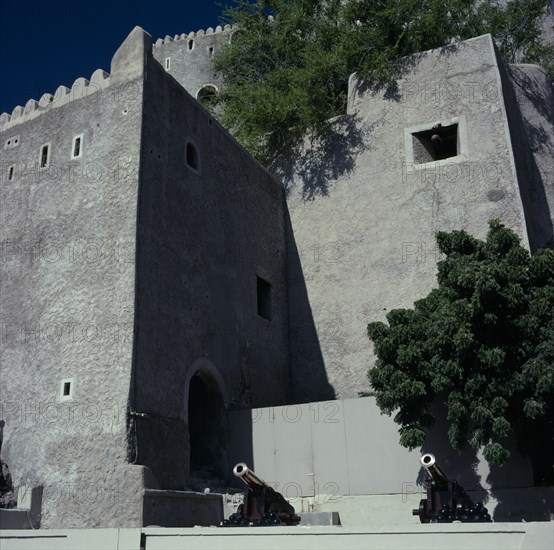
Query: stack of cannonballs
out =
(477, 514)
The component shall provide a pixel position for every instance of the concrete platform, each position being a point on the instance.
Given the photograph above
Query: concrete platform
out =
(501, 536)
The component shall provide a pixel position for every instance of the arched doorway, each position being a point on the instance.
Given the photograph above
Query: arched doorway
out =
(208, 427)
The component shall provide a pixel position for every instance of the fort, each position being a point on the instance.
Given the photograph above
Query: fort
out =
(170, 308)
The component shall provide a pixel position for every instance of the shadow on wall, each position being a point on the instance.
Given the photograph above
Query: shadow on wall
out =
(308, 378)
(528, 138)
(510, 486)
(459, 465)
(323, 158)
(536, 504)
(389, 89)
(331, 153)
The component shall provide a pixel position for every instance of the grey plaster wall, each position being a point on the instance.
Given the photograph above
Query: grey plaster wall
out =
(67, 301)
(204, 236)
(192, 68)
(364, 215)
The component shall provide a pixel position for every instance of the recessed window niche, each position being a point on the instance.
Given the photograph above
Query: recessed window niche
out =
(192, 157)
(264, 299)
(436, 141)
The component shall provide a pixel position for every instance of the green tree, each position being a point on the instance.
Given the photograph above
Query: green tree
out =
(482, 343)
(286, 69)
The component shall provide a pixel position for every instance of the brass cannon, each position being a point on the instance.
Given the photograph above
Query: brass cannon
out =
(262, 504)
(446, 499)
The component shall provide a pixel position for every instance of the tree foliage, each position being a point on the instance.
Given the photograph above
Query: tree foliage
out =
(482, 343)
(286, 69)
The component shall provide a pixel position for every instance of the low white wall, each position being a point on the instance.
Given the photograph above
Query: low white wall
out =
(501, 536)
(347, 447)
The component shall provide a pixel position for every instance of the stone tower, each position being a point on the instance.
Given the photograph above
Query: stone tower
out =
(143, 291)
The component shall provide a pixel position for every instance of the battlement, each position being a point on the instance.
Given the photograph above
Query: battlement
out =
(192, 35)
(81, 88)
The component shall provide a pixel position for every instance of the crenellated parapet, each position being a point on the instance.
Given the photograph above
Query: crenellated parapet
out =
(192, 35)
(80, 89)
(100, 79)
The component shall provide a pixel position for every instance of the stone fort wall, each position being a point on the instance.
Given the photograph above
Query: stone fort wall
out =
(135, 235)
(129, 268)
(366, 221)
(67, 306)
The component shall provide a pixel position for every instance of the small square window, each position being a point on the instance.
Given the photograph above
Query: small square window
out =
(438, 143)
(66, 389)
(264, 299)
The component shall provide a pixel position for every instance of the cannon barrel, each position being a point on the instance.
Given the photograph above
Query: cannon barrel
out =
(437, 474)
(248, 476)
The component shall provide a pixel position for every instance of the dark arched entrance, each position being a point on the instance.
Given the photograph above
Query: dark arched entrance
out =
(207, 421)
(206, 94)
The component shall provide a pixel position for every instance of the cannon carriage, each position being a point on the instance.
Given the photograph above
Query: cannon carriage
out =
(262, 504)
(446, 499)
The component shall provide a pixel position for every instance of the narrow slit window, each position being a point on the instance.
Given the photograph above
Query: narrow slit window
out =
(211, 51)
(77, 147)
(44, 153)
(10, 173)
(264, 299)
(167, 63)
(192, 157)
(191, 44)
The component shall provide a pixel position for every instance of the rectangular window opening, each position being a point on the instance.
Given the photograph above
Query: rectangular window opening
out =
(437, 143)
(264, 299)
(191, 44)
(77, 147)
(167, 63)
(66, 389)
(211, 51)
(44, 156)
(193, 159)
(10, 173)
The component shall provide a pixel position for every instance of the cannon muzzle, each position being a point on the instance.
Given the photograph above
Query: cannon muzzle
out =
(248, 476)
(429, 462)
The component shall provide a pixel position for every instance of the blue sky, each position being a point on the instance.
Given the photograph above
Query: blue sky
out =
(45, 43)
